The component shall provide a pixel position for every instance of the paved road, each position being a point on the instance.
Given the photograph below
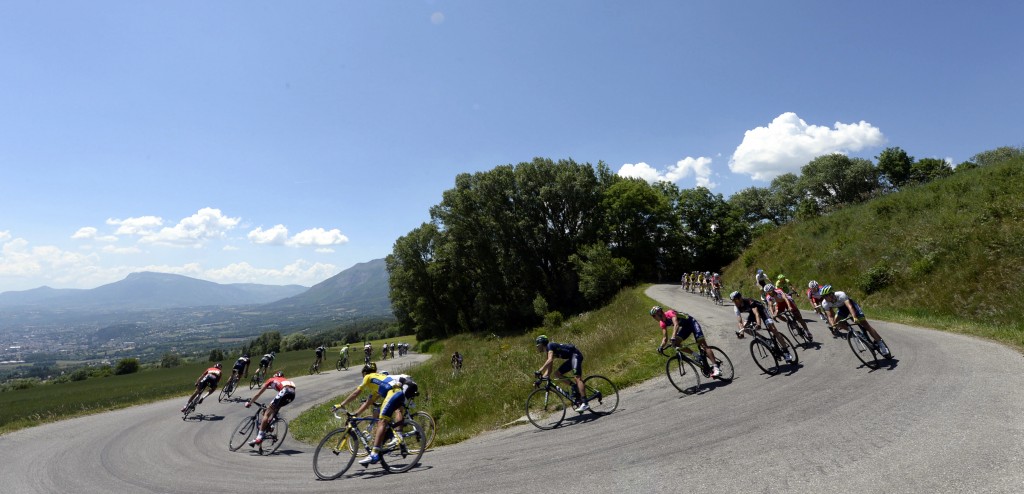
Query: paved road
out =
(948, 417)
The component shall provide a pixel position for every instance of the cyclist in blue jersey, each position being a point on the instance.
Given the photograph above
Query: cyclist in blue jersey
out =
(573, 362)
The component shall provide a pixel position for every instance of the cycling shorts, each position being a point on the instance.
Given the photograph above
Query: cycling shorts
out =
(843, 312)
(264, 363)
(573, 363)
(209, 380)
(239, 367)
(764, 318)
(392, 401)
(685, 331)
(284, 397)
(783, 303)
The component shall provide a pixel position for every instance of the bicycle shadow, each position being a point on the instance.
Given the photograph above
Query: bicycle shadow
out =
(810, 345)
(202, 417)
(887, 364)
(377, 471)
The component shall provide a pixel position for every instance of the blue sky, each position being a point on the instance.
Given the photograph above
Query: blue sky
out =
(283, 142)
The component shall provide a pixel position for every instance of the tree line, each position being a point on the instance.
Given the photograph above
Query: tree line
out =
(518, 245)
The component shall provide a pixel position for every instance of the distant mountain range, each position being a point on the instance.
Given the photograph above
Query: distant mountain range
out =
(361, 287)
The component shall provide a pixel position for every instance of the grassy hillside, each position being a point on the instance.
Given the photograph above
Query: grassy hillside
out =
(946, 254)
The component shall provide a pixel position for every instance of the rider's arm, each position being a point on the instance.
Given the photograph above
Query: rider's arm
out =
(546, 368)
(349, 398)
(258, 393)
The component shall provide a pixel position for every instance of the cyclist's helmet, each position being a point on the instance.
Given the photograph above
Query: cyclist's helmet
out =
(826, 290)
(217, 365)
(370, 368)
(655, 310)
(245, 355)
(760, 271)
(735, 295)
(272, 354)
(768, 288)
(279, 374)
(813, 285)
(541, 340)
(780, 277)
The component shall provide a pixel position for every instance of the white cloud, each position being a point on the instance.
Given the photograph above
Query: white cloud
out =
(17, 259)
(143, 225)
(788, 143)
(300, 272)
(92, 233)
(437, 18)
(325, 250)
(318, 237)
(699, 167)
(278, 235)
(229, 248)
(110, 249)
(5, 235)
(194, 231)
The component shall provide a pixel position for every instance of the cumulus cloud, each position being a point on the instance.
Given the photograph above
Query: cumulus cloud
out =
(300, 272)
(314, 237)
(92, 233)
(143, 225)
(5, 235)
(206, 224)
(18, 259)
(788, 143)
(700, 168)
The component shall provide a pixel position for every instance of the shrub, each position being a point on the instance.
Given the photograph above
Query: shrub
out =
(170, 359)
(126, 366)
(553, 319)
(876, 278)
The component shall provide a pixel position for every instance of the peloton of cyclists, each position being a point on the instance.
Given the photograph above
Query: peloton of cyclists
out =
(573, 362)
(683, 325)
(210, 378)
(285, 394)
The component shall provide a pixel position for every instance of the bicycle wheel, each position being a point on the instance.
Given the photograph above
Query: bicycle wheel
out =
(602, 395)
(335, 454)
(792, 350)
(545, 408)
(862, 348)
(240, 435)
(682, 374)
(256, 380)
(724, 364)
(765, 357)
(273, 439)
(225, 392)
(428, 425)
(797, 331)
(405, 455)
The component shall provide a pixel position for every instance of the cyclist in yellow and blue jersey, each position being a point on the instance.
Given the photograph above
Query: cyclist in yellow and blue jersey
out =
(378, 384)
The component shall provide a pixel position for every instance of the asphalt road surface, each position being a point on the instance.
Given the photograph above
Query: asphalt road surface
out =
(948, 416)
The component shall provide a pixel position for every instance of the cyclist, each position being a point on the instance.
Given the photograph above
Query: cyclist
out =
(368, 350)
(573, 362)
(241, 367)
(392, 350)
(757, 313)
(846, 307)
(683, 325)
(457, 361)
(761, 279)
(343, 354)
(209, 378)
(385, 386)
(285, 394)
(266, 362)
(779, 301)
(814, 296)
(319, 355)
(783, 283)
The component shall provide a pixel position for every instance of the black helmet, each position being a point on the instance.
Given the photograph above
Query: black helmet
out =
(542, 340)
(369, 368)
(217, 365)
(279, 374)
(735, 295)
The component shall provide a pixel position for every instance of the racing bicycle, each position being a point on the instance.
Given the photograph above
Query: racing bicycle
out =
(682, 368)
(342, 363)
(795, 329)
(272, 439)
(229, 388)
(864, 347)
(340, 447)
(314, 368)
(257, 378)
(546, 405)
(765, 350)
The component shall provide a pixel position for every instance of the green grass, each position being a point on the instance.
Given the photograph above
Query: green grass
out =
(617, 341)
(51, 402)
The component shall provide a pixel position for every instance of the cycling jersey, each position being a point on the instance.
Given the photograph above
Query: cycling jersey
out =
(320, 352)
(687, 325)
(344, 350)
(761, 279)
(266, 360)
(567, 351)
(842, 311)
(241, 363)
(279, 383)
(750, 305)
(814, 296)
(782, 299)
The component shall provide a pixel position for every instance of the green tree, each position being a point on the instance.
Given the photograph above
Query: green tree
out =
(639, 223)
(170, 359)
(894, 166)
(835, 179)
(601, 274)
(712, 230)
(997, 155)
(216, 355)
(928, 169)
(296, 341)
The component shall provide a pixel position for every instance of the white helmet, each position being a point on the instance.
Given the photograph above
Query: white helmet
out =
(813, 285)
(768, 287)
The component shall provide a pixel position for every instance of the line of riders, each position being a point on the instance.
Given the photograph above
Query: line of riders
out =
(832, 306)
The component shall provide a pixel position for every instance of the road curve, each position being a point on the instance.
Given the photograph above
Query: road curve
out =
(946, 418)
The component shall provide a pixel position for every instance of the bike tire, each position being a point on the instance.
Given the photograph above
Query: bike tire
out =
(796, 331)
(602, 394)
(429, 427)
(276, 438)
(241, 434)
(864, 352)
(253, 382)
(724, 364)
(682, 374)
(335, 453)
(394, 460)
(792, 350)
(765, 358)
(545, 408)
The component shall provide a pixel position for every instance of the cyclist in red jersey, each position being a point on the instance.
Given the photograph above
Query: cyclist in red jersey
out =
(285, 394)
(778, 300)
(209, 378)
